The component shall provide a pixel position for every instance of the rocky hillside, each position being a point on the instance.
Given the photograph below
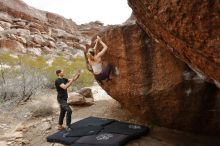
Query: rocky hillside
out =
(24, 29)
(158, 82)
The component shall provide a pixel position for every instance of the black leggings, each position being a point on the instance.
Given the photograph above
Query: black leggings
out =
(105, 73)
(64, 107)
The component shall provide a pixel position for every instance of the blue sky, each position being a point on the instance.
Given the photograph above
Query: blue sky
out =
(83, 11)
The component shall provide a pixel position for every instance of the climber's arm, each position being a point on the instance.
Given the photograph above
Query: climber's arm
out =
(104, 49)
(95, 47)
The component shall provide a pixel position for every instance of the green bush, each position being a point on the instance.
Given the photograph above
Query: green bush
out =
(27, 74)
(70, 67)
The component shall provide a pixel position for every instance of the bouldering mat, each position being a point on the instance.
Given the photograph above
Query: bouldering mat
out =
(94, 131)
(91, 121)
(60, 137)
(133, 130)
(104, 139)
(84, 131)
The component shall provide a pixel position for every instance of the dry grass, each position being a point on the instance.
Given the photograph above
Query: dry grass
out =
(42, 106)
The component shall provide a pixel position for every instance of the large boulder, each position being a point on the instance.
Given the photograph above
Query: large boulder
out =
(82, 97)
(155, 85)
(5, 25)
(36, 26)
(189, 29)
(86, 92)
(21, 40)
(5, 17)
(12, 45)
(38, 39)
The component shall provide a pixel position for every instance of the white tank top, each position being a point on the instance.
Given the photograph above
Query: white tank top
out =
(97, 68)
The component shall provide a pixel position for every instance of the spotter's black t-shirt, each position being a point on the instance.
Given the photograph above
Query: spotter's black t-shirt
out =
(61, 93)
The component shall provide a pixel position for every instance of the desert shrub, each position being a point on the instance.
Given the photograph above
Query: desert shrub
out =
(24, 75)
(41, 109)
(7, 73)
(22, 79)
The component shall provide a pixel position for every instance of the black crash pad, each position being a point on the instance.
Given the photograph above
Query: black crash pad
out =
(126, 128)
(94, 145)
(91, 121)
(61, 137)
(104, 139)
(94, 131)
(81, 145)
(84, 131)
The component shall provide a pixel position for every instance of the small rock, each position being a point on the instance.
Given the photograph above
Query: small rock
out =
(1, 28)
(89, 101)
(8, 143)
(43, 32)
(5, 25)
(34, 30)
(12, 36)
(52, 44)
(18, 27)
(46, 126)
(21, 23)
(11, 139)
(22, 40)
(76, 99)
(86, 92)
(5, 17)
(22, 141)
(36, 25)
(49, 119)
(38, 39)
(19, 135)
(44, 120)
(47, 49)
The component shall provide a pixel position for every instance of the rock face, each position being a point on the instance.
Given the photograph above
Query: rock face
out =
(189, 29)
(154, 84)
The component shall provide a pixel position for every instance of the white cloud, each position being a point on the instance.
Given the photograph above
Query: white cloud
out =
(83, 11)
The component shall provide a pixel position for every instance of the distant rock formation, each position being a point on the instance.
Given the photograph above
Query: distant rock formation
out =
(19, 9)
(24, 29)
(91, 28)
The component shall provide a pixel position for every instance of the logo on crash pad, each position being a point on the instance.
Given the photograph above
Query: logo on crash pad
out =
(104, 137)
(134, 127)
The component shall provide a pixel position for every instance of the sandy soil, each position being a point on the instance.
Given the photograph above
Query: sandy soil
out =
(18, 127)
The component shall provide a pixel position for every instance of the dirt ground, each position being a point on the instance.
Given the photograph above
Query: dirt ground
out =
(19, 128)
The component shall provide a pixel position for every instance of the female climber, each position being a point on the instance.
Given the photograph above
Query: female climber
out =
(101, 71)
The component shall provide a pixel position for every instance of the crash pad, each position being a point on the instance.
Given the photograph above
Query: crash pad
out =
(95, 131)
